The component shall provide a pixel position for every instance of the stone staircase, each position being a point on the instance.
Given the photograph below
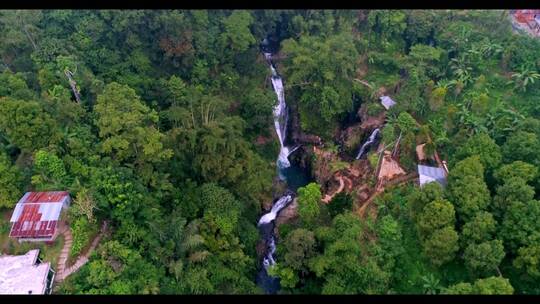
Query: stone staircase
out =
(64, 271)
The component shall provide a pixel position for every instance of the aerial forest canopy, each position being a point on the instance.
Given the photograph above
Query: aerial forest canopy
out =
(160, 123)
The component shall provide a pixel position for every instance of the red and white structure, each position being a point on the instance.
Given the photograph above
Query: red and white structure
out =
(36, 215)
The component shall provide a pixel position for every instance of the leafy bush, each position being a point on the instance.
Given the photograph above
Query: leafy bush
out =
(81, 230)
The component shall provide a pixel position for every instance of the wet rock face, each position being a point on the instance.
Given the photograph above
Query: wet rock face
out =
(302, 158)
(288, 213)
(351, 138)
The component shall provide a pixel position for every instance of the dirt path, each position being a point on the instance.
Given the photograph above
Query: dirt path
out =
(327, 198)
(380, 189)
(64, 271)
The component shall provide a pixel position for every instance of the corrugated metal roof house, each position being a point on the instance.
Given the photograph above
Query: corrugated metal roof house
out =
(387, 102)
(25, 274)
(36, 215)
(429, 174)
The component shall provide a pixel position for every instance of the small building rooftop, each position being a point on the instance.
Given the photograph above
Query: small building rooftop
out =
(429, 174)
(36, 215)
(23, 274)
(387, 102)
(389, 168)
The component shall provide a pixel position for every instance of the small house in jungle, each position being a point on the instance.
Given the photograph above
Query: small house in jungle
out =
(37, 214)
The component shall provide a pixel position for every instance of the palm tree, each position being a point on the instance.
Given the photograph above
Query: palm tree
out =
(188, 245)
(431, 284)
(445, 84)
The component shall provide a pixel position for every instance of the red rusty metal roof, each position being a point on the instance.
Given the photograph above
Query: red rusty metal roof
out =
(525, 16)
(45, 197)
(37, 213)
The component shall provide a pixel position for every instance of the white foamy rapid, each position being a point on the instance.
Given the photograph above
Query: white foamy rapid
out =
(370, 141)
(267, 219)
(280, 204)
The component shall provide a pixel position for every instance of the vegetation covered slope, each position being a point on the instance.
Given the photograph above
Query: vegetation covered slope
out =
(164, 142)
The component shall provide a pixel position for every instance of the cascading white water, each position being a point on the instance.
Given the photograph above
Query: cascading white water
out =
(370, 141)
(268, 219)
(280, 204)
(280, 116)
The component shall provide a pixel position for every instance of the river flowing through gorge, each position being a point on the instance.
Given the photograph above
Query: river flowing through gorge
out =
(292, 175)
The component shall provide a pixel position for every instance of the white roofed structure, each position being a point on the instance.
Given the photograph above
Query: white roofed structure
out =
(429, 174)
(25, 274)
(387, 102)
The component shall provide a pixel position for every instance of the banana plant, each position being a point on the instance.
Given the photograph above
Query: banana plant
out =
(489, 48)
(524, 78)
(461, 70)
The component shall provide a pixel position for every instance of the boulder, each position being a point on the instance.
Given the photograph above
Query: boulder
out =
(288, 213)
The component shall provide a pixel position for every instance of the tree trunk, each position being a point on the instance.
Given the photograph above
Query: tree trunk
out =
(73, 85)
(29, 37)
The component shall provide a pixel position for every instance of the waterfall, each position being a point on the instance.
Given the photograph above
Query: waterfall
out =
(266, 223)
(368, 143)
(269, 218)
(280, 116)
(280, 204)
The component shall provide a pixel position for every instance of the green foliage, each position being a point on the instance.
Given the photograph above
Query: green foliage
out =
(166, 145)
(484, 257)
(406, 123)
(487, 286)
(327, 65)
(459, 289)
(287, 276)
(26, 124)
(11, 182)
(520, 226)
(127, 126)
(492, 286)
(80, 230)
(528, 260)
(237, 37)
(116, 272)
(467, 189)
(374, 109)
(15, 86)
(220, 207)
(309, 198)
(435, 215)
(441, 246)
(51, 169)
(347, 267)
(483, 146)
(340, 203)
(517, 169)
(480, 228)
(513, 190)
(420, 197)
(388, 24)
(522, 146)
(300, 247)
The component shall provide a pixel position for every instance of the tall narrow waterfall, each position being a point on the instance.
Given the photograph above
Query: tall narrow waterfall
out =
(267, 221)
(368, 143)
(280, 116)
